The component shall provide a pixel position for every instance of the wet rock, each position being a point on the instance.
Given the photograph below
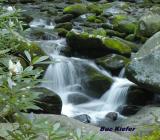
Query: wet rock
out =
(76, 9)
(49, 102)
(128, 110)
(78, 98)
(113, 62)
(149, 25)
(144, 67)
(83, 118)
(112, 115)
(138, 96)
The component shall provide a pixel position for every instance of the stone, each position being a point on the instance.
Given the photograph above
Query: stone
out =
(112, 115)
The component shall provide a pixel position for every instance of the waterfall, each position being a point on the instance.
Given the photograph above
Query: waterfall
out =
(65, 78)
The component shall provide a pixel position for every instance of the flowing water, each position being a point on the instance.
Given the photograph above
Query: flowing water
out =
(65, 78)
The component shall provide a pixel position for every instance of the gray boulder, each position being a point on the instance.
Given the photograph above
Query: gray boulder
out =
(144, 68)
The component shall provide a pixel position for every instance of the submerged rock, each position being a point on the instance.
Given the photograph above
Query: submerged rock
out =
(144, 68)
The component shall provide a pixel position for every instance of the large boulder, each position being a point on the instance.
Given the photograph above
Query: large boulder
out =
(96, 45)
(144, 68)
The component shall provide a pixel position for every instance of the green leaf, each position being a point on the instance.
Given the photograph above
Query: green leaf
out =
(40, 59)
(2, 52)
(78, 131)
(28, 55)
(56, 126)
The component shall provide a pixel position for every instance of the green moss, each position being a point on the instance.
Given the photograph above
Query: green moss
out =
(117, 45)
(97, 9)
(95, 19)
(127, 27)
(76, 9)
(118, 18)
(99, 31)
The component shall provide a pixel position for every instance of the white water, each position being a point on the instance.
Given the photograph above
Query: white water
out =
(65, 78)
(38, 22)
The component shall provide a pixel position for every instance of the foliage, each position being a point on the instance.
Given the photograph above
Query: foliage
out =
(154, 134)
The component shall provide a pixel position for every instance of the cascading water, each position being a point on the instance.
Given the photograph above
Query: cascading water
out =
(65, 79)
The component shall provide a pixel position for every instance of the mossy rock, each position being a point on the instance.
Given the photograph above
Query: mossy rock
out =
(76, 9)
(124, 23)
(96, 82)
(117, 46)
(62, 32)
(95, 19)
(64, 18)
(148, 25)
(88, 43)
(127, 27)
(66, 25)
(111, 33)
(94, 8)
